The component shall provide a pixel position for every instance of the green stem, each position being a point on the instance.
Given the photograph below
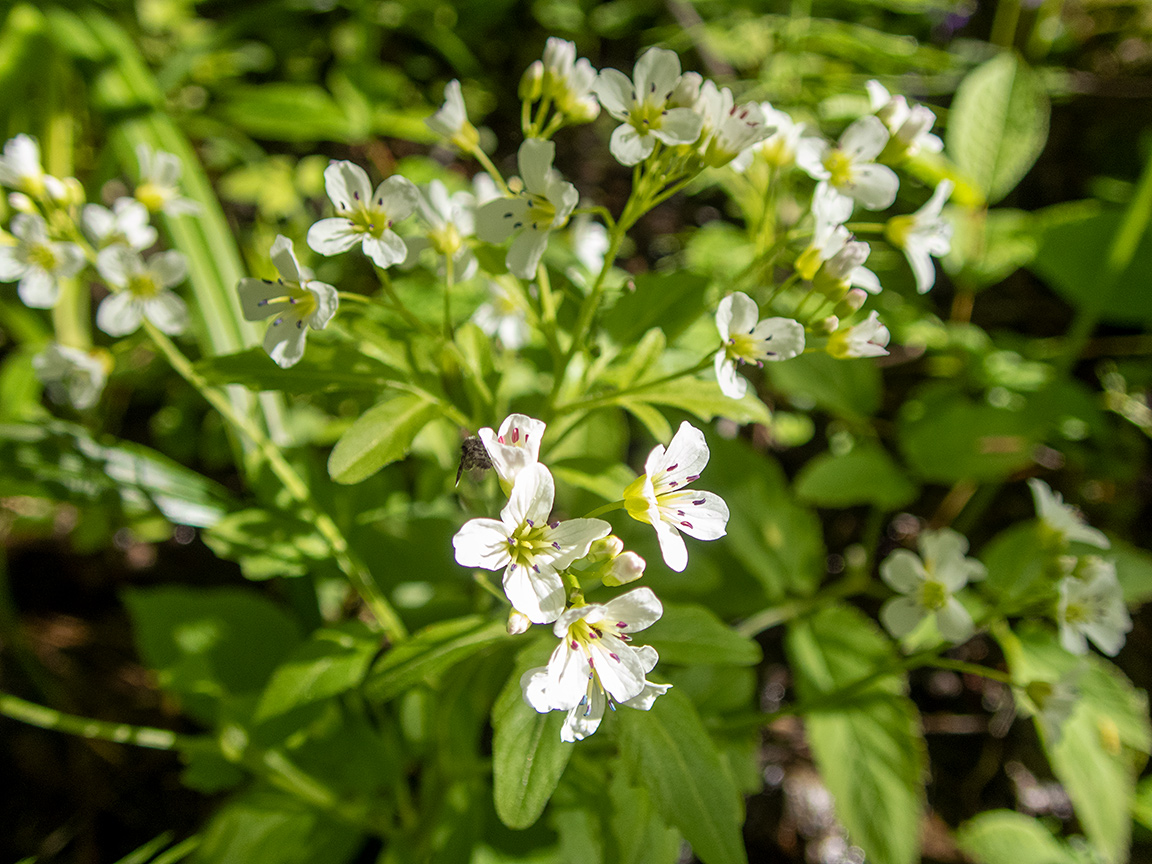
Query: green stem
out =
(607, 508)
(449, 273)
(1004, 23)
(354, 298)
(969, 669)
(100, 730)
(356, 572)
(608, 399)
(482, 157)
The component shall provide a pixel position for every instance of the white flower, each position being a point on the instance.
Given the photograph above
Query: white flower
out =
(849, 166)
(451, 121)
(779, 148)
(126, 223)
(296, 301)
(39, 263)
(364, 216)
(728, 129)
(142, 291)
(1092, 607)
(568, 82)
(911, 128)
(658, 497)
(869, 338)
(159, 175)
(929, 585)
(594, 666)
(503, 317)
(1051, 702)
(72, 376)
(1063, 520)
(644, 105)
(922, 235)
(833, 254)
(544, 204)
(20, 169)
(589, 242)
(449, 220)
(515, 447)
(531, 549)
(749, 340)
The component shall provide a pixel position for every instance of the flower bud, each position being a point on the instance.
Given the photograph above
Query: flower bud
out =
(852, 302)
(532, 82)
(518, 623)
(605, 549)
(625, 568)
(21, 203)
(826, 326)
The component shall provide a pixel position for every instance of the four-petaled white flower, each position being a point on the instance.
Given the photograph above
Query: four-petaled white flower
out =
(869, 338)
(929, 583)
(644, 105)
(747, 339)
(38, 262)
(911, 127)
(1091, 606)
(531, 550)
(363, 216)
(72, 377)
(158, 189)
(594, 667)
(503, 317)
(514, 447)
(1064, 521)
(126, 223)
(849, 167)
(659, 498)
(449, 220)
(451, 121)
(297, 301)
(20, 169)
(543, 205)
(833, 260)
(923, 235)
(142, 291)
(568, 82)
(728, 129)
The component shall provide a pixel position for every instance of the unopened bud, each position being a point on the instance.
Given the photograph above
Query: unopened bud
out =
(518, 623)
(532, 82)
(852, 302)
(22, 203)
(625, 568)
(71, 193)
(826, 326)
(605, 549)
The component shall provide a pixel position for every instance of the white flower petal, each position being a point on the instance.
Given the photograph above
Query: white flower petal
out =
(482, 543)
(629, 147)
(169, 268)
(498, 219)
(732, 384)
(284, 341)
(574, 537)
(954, 622)
(636, 610)
(38, 290)
(874, 186)
(703, 515)
(254, 297)
(327, 301)
(583, 720)
(385, 250)
(284, 258)
(903, 571)
(531, 500)
(864, 139)
(347, 185)
(333, 236)
(679, 126)
(614, 90)
(741, 313)
(900, 615)
(540, 595)
(535, 159)
(686, 457)
(117, 264)
(525, 252)
(672, 546)
(168, 312)
(119, 314)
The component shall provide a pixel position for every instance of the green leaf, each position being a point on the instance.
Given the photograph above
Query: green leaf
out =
(864, 475)
(283, 111)
(528, 757)
(998, 124)
(267, 543)
(641, 836)
(1008, 837)
(847, 388)
(670, 301)
(671, 752)
(324, 368)
(1142, 806)
(1015, 559)
(430, 653)
(601, 477)
(702, 399)
(380, 436)
(988, 246)
(1134, 570)
(332, 661)
(690, 635)
(652, 418)
(867, 744)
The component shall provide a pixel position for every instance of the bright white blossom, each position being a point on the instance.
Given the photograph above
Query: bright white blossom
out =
(503, 317)
(779, 148)
(928, 582)
(71, 376)
(38, 262)
(20, 169)
(126, 223)
(158, 189)
(544, 204)
(747, 339)
(1092, 607)
(849, 166)
(833, 259)
(659, 498)
(514, 447)
(141, 291)
(451, 121)
(568, 81)
(297, 301)
(728, 129)
(589, 242)
(1063, 520)
(362, 216)
(449, 220)
(531, 550)
(911, 127)
(643, 103)
(923, 235)
(594, 666)
(869, 338)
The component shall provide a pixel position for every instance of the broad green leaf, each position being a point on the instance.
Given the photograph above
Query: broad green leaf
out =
(671, 752)
(990, 245)
(847, 388)
(380, 436)
(283, 111)
(998, 124)
(864, 475)
(690, 635)
(601, 477)
(1008, 837)
(1015, 559)
(528, 757)
(429, 653)
(652, 418)
(1134, 570)
(702, 399)
(332, 661)
(581, 835)
(267, 543)
(1142, 806)
(867, 744)
(670, 301)
(641, 836)
(324, 368)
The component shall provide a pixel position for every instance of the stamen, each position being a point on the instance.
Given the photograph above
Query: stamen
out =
(693, 477)
(277, 322)
(556, 545)
(554, 524)
(686, 524)
(536, 567)
(267, 281)
(500, 438)
(356, 195)
(575, 645)
(614, 657)
(515, 435)
(531, 524)
(621, 624)
(672, 467)
(700, 501)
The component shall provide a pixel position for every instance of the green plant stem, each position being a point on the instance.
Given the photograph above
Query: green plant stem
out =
(482, 157)
(449, 273)
(1004, 23)
(608, 399)
(356, 572)
(607, 508)
(969, 669)
(355, 298)
(774, 616)
(99, 730)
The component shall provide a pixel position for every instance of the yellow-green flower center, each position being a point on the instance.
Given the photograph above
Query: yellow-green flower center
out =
(933, 595)
(151, 196)
(143, 285)
(526, 542)
(541, 212)
(898, 229)
(445, 240)
(635, 502)
(646, 116)
(42, 256)
(839, 165)
(742, 346)
(371, 222)
(1077, 613)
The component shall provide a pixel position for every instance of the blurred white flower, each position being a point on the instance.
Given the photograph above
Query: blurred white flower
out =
(364, 216)
(449, 220)
(911, 127)
(923, 235)
(1063, 521)
(141, 291)
(20, 170)
(869, 338)
(451, 121)
(158, 189)
(849, 166)
(126, 223)
(71, 376)
(929, 582)
(503, 317)
(747, 339)
(568, 82)
(38, 262)
(1091, 606)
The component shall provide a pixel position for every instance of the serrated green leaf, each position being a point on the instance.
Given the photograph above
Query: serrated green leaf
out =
(998, 123)
(1008, 837)
(381, 435)
(690, 635)
(671, 752)
(864, 475)
(325, 368)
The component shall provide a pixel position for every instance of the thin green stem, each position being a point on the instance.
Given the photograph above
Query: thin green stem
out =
(482, 157)
(355, 298)
(449, 274)
(969, 669)
(608, 399)
(607, 508)
(99, 730)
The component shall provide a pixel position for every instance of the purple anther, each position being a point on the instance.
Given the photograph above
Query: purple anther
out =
(356, 195)
(554, 524)
(531, 524)
(262, 303)
(555, 545)
(515, 434)
(686, 524)
(693, 477)
(575, 644)
(672, 467)
(700, 501)
(614, 657)
(621, 624)
(277, 322)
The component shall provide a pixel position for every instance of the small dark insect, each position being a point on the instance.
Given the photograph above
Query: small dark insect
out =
(472, 455)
